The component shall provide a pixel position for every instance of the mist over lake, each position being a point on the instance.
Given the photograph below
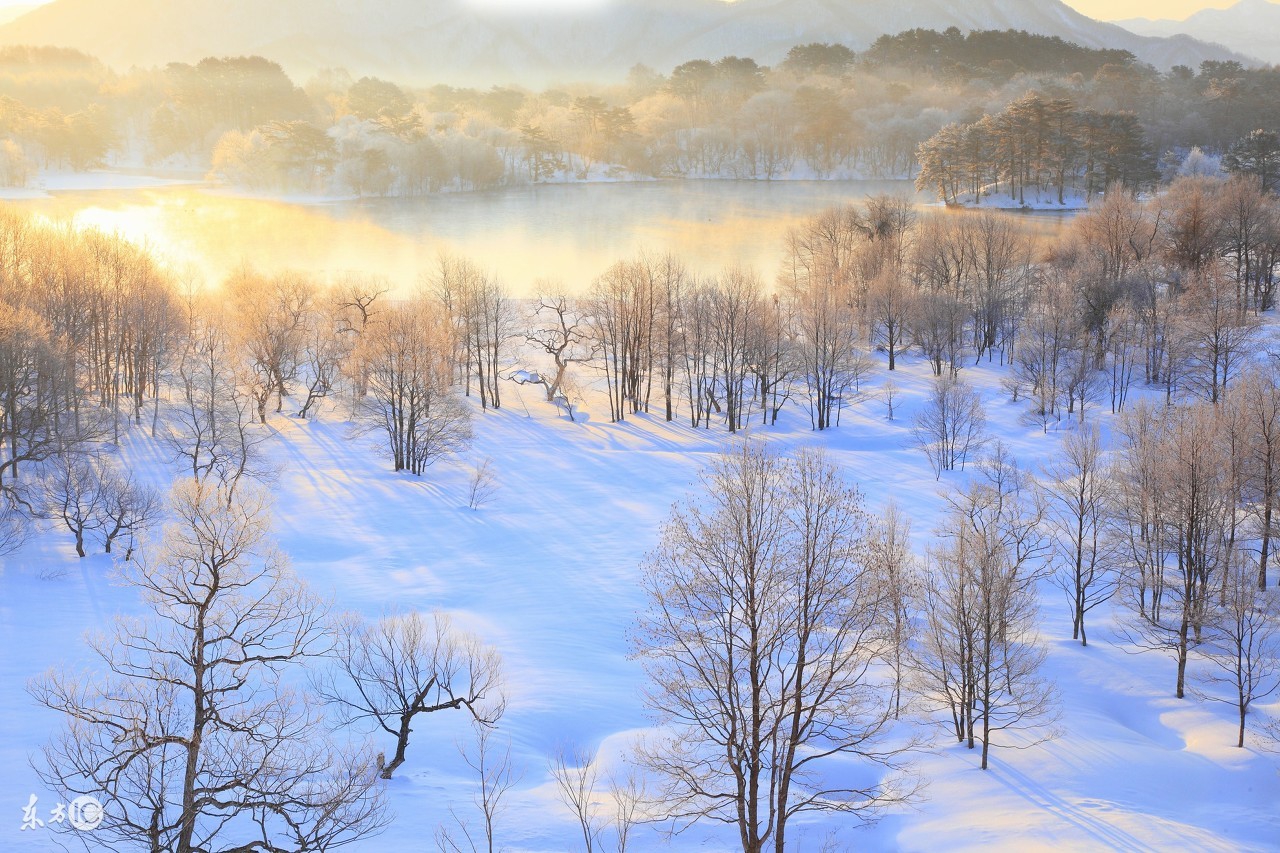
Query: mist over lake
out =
(568, 233)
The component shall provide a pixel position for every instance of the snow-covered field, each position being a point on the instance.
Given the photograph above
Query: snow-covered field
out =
(548, 572)
(93, 180)
(1032, 198)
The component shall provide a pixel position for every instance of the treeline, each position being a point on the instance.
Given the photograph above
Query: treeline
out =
(1162, 292)
(1049, 147)
(98, 339)
(991, 54)
(823, 112)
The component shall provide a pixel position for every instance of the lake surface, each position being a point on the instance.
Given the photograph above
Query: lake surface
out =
(561, 233)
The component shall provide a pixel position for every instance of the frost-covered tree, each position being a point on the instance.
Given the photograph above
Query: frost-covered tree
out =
(1175, 513)
(32, 388)
(1257, 401)
(407, 358)
(483, 321)
(213, 427)
(889, 555)
(819, 276)
(979, 657)
(1080, 493)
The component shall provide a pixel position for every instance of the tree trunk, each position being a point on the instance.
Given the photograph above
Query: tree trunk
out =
(402, 744)
(1182, 660)
(1265, 550)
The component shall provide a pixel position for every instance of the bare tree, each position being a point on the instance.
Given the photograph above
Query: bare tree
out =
(891, 559)
(773, 356)
(269, 323)
(483, 485)
(734, 308)
(329, 340)
(979, 657)
(1175, 514)
(889, 394)
(186, 730)
(128, 508)
(559, 330)
(1220, 333)
(1257, 396)
(1243, 643)
(14, 525)
(830, 259)
(390, 673)
(576, 778)
(1042, 371)
(890, 302)
(951, 426)
(818, 278)
(622, 315)
(73, 495)
(410, 397)
(1080, 493)
(32, 389)
(495, 776)
(482, 320)
(771, 552)
(630, 796)
(355, 301)
(212, 429)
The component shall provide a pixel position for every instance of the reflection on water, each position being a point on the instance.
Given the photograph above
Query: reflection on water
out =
(568, 233)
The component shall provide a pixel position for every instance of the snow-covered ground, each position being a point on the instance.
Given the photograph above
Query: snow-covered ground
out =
(548, 572)
(95, 179)
(1032, 198)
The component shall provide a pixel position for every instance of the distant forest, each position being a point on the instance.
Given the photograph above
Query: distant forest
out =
(962, 114)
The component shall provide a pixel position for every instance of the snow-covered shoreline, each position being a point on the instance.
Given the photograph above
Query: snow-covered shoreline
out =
(47, 184)
(94, 180)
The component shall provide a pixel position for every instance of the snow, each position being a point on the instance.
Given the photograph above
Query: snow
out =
(89, 181)
(1032, 198)
(547, 572)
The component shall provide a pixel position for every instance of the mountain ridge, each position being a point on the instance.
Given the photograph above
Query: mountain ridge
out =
(1249, 27)
(450, 41)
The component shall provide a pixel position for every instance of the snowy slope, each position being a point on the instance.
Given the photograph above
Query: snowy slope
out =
(456, 41)
(548, 572)
(1250, 27)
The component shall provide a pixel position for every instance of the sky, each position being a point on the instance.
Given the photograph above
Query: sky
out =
(1117, 10)
(1107, 10)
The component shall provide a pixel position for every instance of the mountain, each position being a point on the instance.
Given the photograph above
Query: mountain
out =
(455, 41)
(1250, 27)
(9, 13)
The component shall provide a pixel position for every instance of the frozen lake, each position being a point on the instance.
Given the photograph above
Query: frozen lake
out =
(568, 233)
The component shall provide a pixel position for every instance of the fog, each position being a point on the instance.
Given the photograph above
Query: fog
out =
(564, 233)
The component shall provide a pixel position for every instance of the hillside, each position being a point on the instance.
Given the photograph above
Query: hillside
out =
(1249, 27)
(548, 572)
(454, 41)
